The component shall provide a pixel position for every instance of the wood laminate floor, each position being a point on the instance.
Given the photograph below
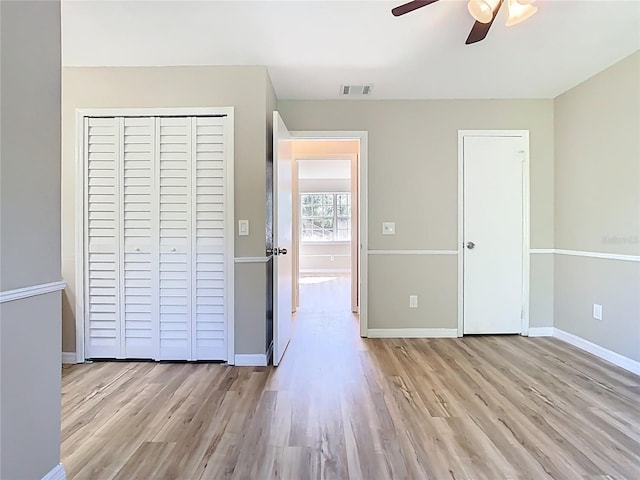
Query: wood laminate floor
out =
(342, 407)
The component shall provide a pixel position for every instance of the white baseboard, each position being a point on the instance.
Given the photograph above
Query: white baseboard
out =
(57, 473)
(601, 352)
(412, 333)
(69, 357)
(251, 360)
(541, 331)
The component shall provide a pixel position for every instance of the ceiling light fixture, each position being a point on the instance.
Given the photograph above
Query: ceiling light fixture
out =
(519, 10)
(482, 10)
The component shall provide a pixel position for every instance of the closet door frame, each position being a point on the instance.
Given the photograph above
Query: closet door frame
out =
(80, 208)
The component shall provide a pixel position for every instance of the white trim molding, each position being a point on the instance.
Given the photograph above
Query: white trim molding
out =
(606, 256)
(600, 352)
(56, 473)
(413, 333)
(540, 332)
(322, 271)
(69, 357)
(31, 291)
(412, 252)
(582, 253)
(251, 360)
(156, 112)
(252, 259)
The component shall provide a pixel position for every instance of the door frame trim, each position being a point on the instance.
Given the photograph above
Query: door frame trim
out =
(524, 134)
(80, 170)
(363, 136)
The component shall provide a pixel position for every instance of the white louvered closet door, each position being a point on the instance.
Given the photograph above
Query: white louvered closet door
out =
(102, 253)
(139, 262)
(157, 238)
(175, 184)
(209, 174)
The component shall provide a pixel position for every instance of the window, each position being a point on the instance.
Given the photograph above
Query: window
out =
(326, 217)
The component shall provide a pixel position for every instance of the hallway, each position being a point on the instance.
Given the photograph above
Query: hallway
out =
(342, 407)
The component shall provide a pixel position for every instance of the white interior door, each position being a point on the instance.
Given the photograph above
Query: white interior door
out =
(282, 234)
(158, 249)
(493, 234)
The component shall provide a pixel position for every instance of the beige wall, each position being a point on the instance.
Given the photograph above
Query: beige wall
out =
(597, 191)
(614, 284)
(30, 144)
(29, 238)
(328, 257)
(597, 172)
(248, 90)
(314, 185)
(412, 180)
(431, 277)
(31, 384)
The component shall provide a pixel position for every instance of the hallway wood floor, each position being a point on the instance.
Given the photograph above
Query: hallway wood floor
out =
(342, 407)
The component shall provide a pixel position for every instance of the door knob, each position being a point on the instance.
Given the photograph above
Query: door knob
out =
(276, 251)
(282, 251)
(471, 245)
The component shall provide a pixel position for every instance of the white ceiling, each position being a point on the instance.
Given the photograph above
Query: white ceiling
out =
(312, 169)
(311, 47)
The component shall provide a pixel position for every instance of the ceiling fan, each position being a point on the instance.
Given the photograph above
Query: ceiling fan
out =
(483, 11)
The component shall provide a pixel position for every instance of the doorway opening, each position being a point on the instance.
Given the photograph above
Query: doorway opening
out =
(286, 226)
(325, 224)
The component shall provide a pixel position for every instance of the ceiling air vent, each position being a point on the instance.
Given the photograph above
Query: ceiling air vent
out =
(356, 90)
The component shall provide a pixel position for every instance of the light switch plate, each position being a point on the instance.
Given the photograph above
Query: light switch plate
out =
(388, 228)
(413, 301)
(597, 311)
(243, 227)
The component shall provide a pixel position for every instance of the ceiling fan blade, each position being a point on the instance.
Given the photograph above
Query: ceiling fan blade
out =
(480, 30)
(411, 6)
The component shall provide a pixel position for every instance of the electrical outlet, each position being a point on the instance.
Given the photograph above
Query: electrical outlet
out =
(333, 258)
(597, 311)
(413, 301)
